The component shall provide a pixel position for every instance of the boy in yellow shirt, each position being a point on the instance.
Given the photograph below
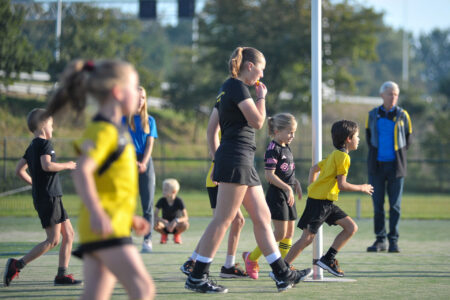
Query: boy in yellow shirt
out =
(323, 192)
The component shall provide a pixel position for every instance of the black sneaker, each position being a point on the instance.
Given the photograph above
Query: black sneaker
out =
(393, 247)
(234, 272)
(187, 267)
(66, 280)
(288, 280)
(331, 266)
(378, 246)
(11, 271)
(204, 285)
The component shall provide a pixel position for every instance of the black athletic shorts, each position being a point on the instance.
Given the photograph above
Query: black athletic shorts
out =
(98, 245)
(212, 193)
(51, 211)
(319, 211)
(277, 200)
(241, 174)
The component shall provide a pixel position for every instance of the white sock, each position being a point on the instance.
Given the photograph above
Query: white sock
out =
(273, 257)
(194, 256)
(204, 259)
(230, 261)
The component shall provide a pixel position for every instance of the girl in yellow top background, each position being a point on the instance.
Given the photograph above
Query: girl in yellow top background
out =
(106, 178)
(323, 191)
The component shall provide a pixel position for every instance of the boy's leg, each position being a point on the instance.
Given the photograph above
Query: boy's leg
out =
(349, 228)
(127, 266)
(98, 280)
(66, 243)
(305, 240)
(328, 261)
(53, 235)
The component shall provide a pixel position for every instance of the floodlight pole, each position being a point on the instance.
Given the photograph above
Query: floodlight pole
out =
(316, 107)
(58, 30)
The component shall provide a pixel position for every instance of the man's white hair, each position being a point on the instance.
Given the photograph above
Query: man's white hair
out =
(389, 85)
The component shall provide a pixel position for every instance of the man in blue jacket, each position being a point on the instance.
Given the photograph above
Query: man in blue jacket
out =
(388, 132)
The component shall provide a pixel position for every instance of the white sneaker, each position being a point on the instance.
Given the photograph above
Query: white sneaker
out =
(147, 246)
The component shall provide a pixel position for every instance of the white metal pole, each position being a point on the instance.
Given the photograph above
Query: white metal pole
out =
(58, 30)
(316, 92)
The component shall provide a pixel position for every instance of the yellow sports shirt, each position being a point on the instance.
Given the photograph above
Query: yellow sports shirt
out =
(117, 187)
(325, 187)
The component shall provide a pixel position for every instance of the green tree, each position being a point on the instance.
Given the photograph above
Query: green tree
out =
(16, 53)
(281, 30)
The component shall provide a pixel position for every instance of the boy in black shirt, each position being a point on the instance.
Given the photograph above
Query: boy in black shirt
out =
(174, 215)
(40, 159)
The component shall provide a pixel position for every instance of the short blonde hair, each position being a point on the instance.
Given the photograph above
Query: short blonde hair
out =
(172, 183)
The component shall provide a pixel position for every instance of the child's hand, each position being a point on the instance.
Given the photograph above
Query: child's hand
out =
(101, 223)
(367, 188)
(291, 197)
(71, 165)
(171, 226)
(140, 225)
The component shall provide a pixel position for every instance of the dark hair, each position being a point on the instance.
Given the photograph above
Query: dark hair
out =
(241, 55)
(280, 121)
(36, 118)
(341, 130)
(81, 79)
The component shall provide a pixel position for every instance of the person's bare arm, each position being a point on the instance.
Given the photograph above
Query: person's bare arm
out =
(254, 113)
(147, 154)
(276, 181)
(212, 132)
(21, 171)
(49, 166)
(313, 173)
(343, 185)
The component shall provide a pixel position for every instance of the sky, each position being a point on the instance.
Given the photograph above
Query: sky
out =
(417, 16)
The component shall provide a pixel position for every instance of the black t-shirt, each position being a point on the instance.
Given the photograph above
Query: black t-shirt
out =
(170, 212)
(237, 144)
(45, 184)
(280, 159)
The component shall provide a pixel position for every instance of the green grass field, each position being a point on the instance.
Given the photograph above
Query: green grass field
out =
(420, 271)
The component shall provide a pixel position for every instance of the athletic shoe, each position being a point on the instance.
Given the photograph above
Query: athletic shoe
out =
(304, 274)
(147, 246)
(163, 239)
(66, 280)
(289, 279)
(187, 267)
(251, 266)
(233, 272)
(331, 266)
(378, 246)
(11, 271)
(204, 285)
(177, 238)
(393, 247)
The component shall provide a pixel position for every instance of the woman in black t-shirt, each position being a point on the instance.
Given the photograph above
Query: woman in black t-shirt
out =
(238, 116)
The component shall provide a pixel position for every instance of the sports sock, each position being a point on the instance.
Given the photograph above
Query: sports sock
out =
(331, 254)
(201, 266)
(229, 262)
(61, 271)
(256, 254)
(279, 267)
(20, 264)
(193, 256)
(284, 246)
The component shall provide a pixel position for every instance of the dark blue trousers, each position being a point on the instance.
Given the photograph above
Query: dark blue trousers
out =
(383, 181)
